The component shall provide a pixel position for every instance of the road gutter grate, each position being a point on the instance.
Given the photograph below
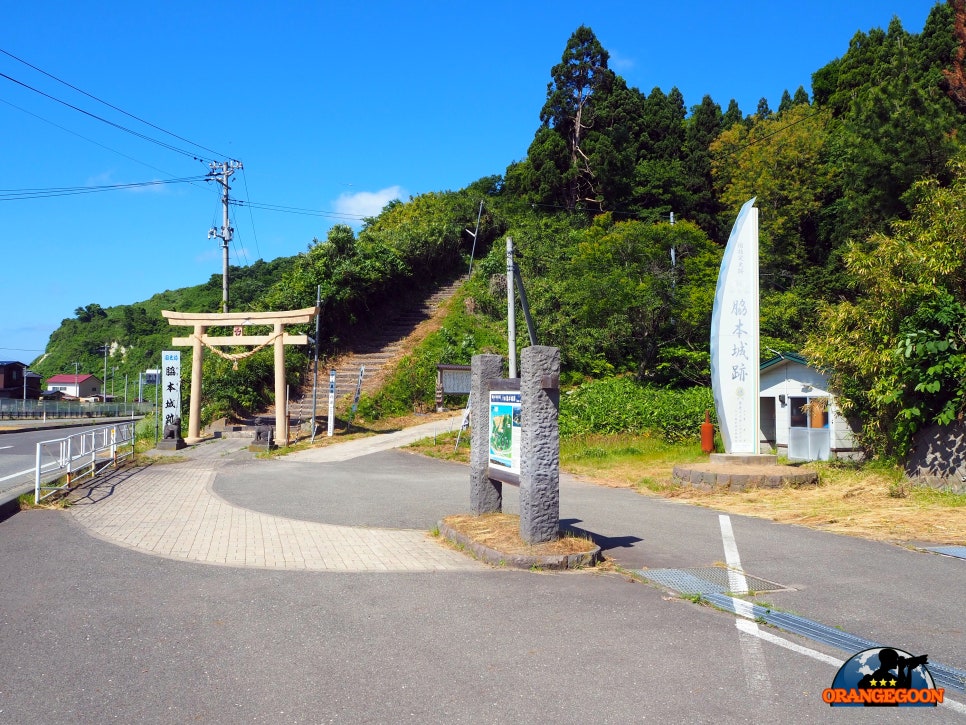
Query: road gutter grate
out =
(944, 676)
(710, 580)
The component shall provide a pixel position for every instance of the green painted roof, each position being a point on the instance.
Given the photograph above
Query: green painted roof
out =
(783, 357)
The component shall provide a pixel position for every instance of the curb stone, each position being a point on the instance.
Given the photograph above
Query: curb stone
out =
(557, 562)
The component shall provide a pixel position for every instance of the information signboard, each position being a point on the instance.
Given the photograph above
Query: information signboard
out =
(171, 385)
(505, 431)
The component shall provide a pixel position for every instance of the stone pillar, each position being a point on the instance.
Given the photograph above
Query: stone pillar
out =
(281, 409)
(486, 495)
(540, 444)
(194, 405)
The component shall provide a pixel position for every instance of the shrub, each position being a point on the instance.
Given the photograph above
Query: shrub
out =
(619, 405)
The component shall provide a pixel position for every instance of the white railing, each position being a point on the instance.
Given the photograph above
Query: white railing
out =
(61, 462)
(14, 409)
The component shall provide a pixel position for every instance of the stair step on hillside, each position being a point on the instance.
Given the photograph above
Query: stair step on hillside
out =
(375, 352)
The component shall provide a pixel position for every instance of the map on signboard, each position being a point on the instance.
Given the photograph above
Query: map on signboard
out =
(505, 431)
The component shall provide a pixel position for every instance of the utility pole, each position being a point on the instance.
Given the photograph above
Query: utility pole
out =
(315, 371)
(221, 173)
(511, 315)
(104, 384)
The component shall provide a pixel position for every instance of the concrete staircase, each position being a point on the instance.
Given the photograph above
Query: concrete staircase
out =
(381, 346)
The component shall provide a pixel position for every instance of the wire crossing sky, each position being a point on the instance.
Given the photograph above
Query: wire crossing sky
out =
(111, 113)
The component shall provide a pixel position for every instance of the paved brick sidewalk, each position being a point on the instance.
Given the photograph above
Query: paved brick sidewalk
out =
(171, 511)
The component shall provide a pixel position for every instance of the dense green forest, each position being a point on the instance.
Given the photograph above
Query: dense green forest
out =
(619, 214)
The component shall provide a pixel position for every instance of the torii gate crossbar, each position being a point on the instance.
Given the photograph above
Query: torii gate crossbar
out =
(201, 321)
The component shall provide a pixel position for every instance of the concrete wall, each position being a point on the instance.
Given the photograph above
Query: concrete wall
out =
(938, 457)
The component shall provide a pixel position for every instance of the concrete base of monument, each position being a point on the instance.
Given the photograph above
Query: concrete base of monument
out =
(171, 444)
(262, 447)
(735, 472)
(745, 459)
(483, 540)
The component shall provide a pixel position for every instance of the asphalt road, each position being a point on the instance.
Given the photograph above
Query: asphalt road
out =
(92, 632)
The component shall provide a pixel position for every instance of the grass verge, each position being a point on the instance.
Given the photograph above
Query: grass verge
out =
(870, 501)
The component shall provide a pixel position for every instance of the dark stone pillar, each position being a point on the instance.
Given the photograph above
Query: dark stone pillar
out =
(540, 445)
(486, 495)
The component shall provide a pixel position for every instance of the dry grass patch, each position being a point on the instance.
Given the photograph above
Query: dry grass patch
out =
(501, 532)
(868, 504)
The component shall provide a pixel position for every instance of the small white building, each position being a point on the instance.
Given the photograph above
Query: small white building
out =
(798, 415)
(75, 386)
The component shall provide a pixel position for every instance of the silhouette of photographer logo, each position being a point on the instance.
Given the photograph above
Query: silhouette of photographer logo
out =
(883, 677)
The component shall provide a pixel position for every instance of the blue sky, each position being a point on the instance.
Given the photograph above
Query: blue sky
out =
(334, 107)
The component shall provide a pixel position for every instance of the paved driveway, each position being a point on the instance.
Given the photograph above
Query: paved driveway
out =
(132, 606)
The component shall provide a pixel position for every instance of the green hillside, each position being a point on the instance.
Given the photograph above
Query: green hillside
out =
(619, 213)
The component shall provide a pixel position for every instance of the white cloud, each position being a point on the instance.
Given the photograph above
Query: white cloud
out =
(619, 62)
(367, 203)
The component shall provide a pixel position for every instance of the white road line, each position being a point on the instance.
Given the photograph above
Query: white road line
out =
(752, 653)
(755, 672)
(736, 576)
(14, 475)
(3, 448)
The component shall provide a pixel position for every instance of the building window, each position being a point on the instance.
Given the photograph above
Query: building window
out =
(809, 412)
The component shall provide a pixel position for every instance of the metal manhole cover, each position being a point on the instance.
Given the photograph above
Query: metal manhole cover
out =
(710, 580)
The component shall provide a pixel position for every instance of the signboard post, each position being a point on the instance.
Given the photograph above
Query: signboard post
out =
(331, 430)
(171, 386)
(516, 440)
(169, 414)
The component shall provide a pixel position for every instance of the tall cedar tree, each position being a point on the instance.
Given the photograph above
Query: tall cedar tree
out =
(570, 112)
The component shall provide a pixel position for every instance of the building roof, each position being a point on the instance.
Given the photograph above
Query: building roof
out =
(783, 357)
(71, 378)
(10, 362)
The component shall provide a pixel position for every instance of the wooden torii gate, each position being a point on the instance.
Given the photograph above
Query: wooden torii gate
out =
(201, 321)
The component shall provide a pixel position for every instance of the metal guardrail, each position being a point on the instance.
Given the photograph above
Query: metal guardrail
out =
(62, 461)
(14, 409)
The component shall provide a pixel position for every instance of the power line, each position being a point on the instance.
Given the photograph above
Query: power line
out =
(238, 246)
(109, 105)
(782, 129)
(18, 194)
(89, 140)
(102, 119)
(250, 215)
(295, 210)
